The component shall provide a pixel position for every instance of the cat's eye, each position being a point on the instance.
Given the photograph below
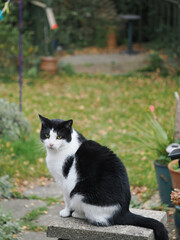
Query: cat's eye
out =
(47, 135)
(59, 137)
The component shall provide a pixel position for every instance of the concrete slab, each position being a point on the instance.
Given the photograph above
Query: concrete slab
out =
(46, 219)
(19, 207)
(106, 63)
(50, 190)
(27, 235)
(70, 228)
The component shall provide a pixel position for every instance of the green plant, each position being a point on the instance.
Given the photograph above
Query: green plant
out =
(154, 137)
(13, 124)
(9, 29)
(156, 63)
(30, 217)
(67, 69)
(175, 167)
(34, 214)
(5, 187)
(8, 228)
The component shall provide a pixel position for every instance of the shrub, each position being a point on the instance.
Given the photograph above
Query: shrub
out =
(67, 69)
(8, 228)
(156, 63)
(13, 124)
(5, 187)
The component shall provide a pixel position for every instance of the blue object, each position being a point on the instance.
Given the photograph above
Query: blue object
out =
(177, 220)
(164, 183)
(1, 16)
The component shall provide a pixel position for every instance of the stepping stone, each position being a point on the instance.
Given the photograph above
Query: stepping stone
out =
(53, 211)
(50, 190)
(19, 207)
(76, 229)
(27, 235)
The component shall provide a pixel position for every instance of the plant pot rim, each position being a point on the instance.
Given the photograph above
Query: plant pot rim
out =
(158, 164)
(48, 58)
(171, 163)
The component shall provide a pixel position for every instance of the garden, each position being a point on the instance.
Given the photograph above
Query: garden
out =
(134, 113)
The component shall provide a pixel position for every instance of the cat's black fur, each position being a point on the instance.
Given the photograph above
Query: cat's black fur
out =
(67, 166)
(102, 179)
(104, 182)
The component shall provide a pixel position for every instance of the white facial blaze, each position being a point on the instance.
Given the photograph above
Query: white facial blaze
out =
(52, 142)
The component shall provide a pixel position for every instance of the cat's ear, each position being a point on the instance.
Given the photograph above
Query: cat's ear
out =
(68, 123)
(44, 121)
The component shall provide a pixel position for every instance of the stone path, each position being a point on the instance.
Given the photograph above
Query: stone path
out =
(116, 63)
(20, 207)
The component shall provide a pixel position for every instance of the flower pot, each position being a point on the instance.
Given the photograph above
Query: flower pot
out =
(175, 176)
(111, 40)
(177, 220)
(164, 183)
(49, 64)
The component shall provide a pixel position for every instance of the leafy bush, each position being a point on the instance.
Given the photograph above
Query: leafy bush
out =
(67, 69)
(13, 124)
(156, 63)
(9, 43)
(81, 23)
(8, 228)
(5, 187)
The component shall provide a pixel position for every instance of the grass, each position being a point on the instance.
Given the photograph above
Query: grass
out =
(28, 221)
(104, 108)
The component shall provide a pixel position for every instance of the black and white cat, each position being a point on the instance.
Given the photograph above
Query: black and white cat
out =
(92, 178)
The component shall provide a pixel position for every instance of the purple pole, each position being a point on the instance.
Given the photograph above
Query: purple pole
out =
(20, 54)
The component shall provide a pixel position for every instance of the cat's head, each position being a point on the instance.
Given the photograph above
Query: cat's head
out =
(55, 133)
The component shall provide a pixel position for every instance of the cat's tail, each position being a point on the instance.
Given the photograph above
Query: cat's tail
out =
(129, 218)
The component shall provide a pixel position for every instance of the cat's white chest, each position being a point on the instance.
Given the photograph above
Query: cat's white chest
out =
(55, 163)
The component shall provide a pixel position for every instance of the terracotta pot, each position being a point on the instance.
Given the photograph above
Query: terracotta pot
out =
(175, 176)
(49, 64)
(111, 40)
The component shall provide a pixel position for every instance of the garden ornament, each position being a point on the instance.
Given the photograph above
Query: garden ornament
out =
(5, 9)
(49, 13)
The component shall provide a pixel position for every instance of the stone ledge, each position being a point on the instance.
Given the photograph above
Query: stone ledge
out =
(70, 228)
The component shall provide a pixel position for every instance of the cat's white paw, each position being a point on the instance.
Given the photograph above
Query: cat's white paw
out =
(64, 213)
(78, 215)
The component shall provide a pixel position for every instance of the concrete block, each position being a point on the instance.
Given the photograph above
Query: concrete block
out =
(20, 207)
(76, 229)
(50, 190)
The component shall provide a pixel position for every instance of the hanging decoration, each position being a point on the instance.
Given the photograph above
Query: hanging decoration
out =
(49, 13)
(5, 9)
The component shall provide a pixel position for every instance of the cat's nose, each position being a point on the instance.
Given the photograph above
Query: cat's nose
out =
(51, 144)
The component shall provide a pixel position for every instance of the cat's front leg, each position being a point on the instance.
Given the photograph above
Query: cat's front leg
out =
(66, 212)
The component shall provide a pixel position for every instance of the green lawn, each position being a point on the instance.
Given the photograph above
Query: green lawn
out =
(104, 108)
